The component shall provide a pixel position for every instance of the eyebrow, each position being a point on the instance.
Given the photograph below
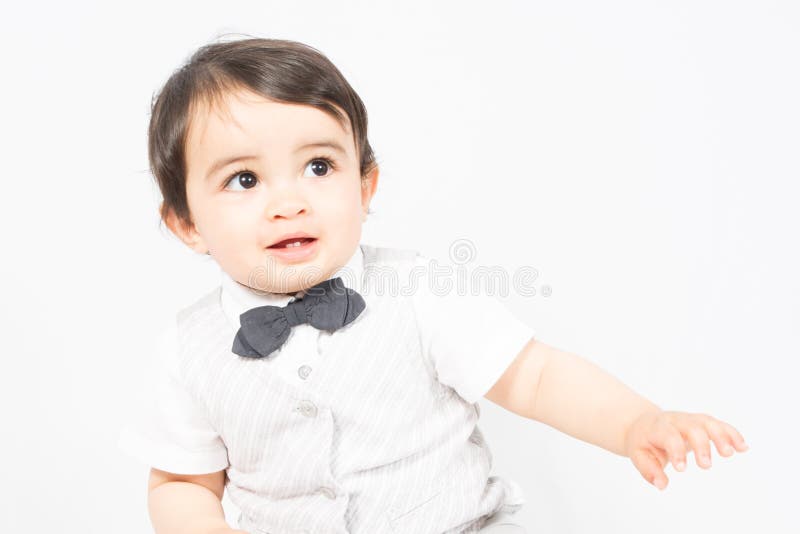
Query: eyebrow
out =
(324, 143)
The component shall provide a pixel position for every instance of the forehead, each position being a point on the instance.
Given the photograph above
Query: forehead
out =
(242, 120)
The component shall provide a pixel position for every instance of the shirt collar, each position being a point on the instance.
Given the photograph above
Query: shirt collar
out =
(237, 298)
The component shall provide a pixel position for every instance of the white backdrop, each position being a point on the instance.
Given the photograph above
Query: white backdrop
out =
(642, 156)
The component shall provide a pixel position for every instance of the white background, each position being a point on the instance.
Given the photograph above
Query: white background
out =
(642, 156)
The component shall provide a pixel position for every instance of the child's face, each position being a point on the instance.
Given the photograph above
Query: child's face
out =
(282, 186)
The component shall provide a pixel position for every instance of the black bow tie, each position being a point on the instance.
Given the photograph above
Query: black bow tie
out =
(328, 305)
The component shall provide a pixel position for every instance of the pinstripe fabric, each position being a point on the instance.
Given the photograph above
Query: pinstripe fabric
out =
(370, 443)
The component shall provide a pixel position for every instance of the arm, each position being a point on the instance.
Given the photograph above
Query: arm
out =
(576, 397)
(187, 504)
(570, 394)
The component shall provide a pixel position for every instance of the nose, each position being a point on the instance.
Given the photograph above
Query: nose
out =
(286, 202)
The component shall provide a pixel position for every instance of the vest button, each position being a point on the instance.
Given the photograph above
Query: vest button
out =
(307, 408)
(328, 492)
(304, 371)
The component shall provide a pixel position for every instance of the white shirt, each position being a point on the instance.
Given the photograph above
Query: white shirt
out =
(469, 341)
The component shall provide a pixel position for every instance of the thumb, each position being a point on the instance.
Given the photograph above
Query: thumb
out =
(649, 467)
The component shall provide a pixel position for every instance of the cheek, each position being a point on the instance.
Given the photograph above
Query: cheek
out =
(345, 221)
(342, 202)
(223, 229)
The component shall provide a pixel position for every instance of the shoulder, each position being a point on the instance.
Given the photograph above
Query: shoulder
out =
(191, 323)
(198, 307)
(164, 350)
(388, 270)
(375, 254)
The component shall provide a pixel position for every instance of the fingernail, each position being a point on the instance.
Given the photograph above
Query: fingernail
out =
(727, 449)
(705, 460)
(680, 466)
(744, 446)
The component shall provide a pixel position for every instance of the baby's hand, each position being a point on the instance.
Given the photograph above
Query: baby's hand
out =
(659, 437)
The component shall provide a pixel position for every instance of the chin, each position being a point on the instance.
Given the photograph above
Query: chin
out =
(302, 277)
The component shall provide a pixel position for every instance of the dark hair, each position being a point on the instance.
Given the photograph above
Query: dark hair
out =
(281, 70)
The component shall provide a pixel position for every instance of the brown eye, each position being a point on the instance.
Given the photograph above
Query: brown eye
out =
(244, 179)
(320, 166)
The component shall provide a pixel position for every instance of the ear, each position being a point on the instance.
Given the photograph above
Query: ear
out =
(368, 186)
(186, 232)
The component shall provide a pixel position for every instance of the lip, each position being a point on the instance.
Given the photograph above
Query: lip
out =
(290, 236)
(295, 254)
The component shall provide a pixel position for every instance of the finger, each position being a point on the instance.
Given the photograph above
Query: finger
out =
(719, 436)
(735, 437)
(668, 438)
(650, 468)
(698, 441)
(661, 456)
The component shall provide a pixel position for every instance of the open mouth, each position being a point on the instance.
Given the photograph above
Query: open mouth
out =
(293, 242)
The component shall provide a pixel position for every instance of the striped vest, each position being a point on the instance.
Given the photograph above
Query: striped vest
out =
(372, 444)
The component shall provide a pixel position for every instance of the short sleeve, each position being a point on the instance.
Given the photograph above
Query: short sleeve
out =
(470, 338)
(171, 431)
